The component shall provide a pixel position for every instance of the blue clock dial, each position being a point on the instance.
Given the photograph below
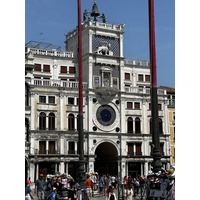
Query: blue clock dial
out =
(106, 115)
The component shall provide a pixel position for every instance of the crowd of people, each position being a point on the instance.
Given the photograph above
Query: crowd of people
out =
(108, 187)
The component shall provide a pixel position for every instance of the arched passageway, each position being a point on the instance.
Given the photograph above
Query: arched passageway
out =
(106, 159)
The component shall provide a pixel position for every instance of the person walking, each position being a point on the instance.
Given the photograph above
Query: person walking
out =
(101, 182)
(88, 184)
(28, 192)
(58, 185)
(72, 193)
(110, 195)
(39, 186)
(53, 194)
(29, 181)
(128, 193)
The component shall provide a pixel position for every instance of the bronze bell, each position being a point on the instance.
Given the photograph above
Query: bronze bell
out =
(95, 12)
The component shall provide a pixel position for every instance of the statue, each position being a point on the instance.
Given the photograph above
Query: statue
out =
(85, 15)
(103, 18)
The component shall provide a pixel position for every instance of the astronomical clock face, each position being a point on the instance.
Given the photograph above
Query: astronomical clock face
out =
(106, 117)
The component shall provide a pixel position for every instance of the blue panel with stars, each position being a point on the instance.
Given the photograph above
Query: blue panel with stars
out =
(96, 39)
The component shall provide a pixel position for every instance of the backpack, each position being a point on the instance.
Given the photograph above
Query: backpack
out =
(112, 197)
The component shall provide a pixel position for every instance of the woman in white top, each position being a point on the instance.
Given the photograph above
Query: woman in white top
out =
(110, 195)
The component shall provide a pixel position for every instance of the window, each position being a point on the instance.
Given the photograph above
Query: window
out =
(127, 76)
(46, 68)
(147, 78)
(72, 70)
(51, 121)
(161, 148)
(37, 67)
(26, 130)
(42, 147)
(52, 147)
(138, 149)
(129, 105)
(71, 101)
(174, 134)
(137, 125)
(63, 69)
(160, 126)
(71, 122)
(137, 105)
(140, 77)
(42, 99)
(51, 99)
(26, 95)
(71, 148)
(106, 79)
(149, 106)
(115, 83)
(96, 81)
(42, 121)
(130, 148)
(130, 125)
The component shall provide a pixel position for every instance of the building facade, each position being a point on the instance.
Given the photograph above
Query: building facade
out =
(116, 106)
(171, 110)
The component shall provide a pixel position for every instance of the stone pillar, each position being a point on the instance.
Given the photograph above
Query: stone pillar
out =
(56, 169)
(123, 119)
(61, 167)
(37, 171)
(66, 167)
(61, 113)
(91, 164)
(32, 171)
(61, 146)
(47, 147)
(146, 168)
(142, 169)
(123, 167)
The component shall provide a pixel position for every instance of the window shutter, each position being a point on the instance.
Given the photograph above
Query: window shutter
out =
(37, 67)
(46, 68)
(72, 70)
(137, 105)
(129, 105)
(63, 69)
(138, 149)
(127, 76)
(140, 77)
(130, 148)
(147, 78)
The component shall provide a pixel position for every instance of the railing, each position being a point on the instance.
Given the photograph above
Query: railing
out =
(52, 52)
(46, 152)
(135, 154)
(142, 90)
(72, 152)
(57, 83)
(136, 62)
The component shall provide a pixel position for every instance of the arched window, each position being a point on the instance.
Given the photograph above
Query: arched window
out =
(150, 126)
(137, 125)
(160, 126)
(26, 94)
(42, 121)
(70, 122)
(130, 125)
(26, 130)
(51, 121)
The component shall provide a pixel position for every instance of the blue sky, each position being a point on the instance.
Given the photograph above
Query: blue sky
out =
(53, 18)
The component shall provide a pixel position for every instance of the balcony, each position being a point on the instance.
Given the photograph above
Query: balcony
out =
(72, 152)
(46, 152)
(142, 90)
(57, 83)
(132, 154)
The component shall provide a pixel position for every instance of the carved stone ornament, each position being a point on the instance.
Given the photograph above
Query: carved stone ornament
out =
(104, 49)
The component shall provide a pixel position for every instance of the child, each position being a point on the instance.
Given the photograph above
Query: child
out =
(53, 194)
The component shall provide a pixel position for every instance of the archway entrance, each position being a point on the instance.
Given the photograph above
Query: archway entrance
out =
(106, 159)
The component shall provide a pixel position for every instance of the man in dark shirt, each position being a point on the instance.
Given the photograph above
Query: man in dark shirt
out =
(72, 193)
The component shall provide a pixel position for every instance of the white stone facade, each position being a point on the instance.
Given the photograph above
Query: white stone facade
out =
(116, 107)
